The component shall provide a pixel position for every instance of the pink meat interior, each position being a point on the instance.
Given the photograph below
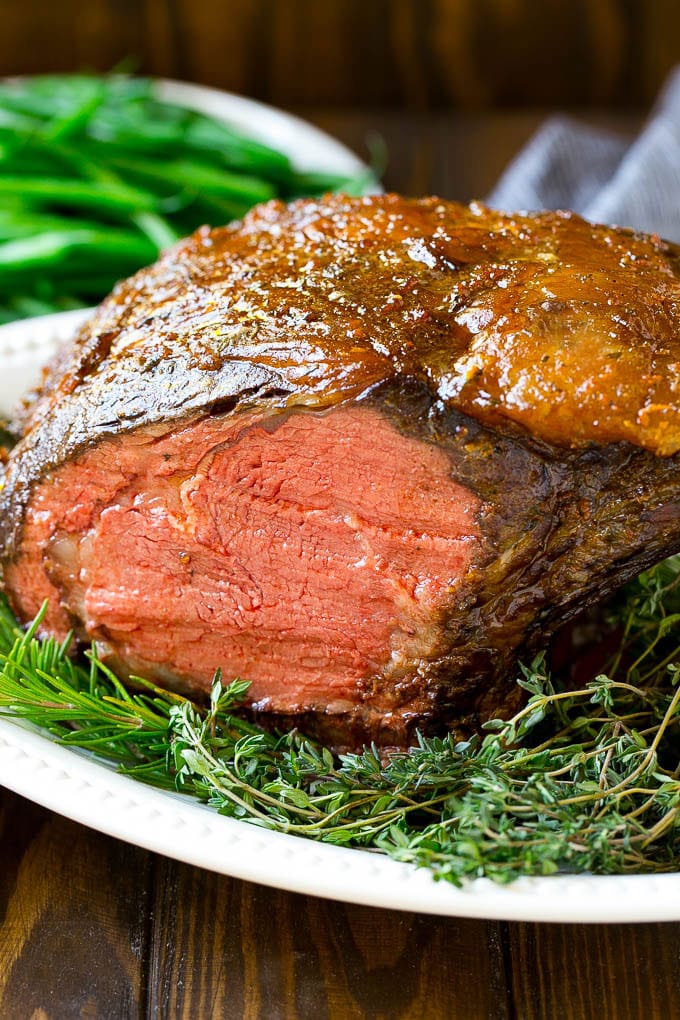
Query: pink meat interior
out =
(308, 553)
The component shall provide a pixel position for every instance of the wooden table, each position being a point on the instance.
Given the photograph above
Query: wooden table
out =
(92, 927)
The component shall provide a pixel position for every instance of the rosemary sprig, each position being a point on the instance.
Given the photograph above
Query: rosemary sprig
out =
(586, 779)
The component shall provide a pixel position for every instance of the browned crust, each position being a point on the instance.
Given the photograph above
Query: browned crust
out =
(569, 331)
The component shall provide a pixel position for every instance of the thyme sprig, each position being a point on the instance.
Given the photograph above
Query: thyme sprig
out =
(582, 779)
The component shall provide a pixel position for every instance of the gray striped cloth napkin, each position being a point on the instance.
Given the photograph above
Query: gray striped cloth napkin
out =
(568, 165)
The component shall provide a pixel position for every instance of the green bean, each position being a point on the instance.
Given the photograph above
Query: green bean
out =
(79, 194)
(157, 229)
(55, 96)
(195, 177)
(15, 106)
(13, 121)
(225, 146)
(31, 154)
(74, 121)
(152, 225)
(49, 249)
(25, 223)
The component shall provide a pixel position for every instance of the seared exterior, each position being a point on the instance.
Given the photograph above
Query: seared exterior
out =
(533, 361)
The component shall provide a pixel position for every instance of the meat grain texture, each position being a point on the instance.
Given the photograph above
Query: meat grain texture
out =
(363, 452)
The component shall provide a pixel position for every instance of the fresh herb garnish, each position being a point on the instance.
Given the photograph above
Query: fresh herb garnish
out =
(586, 779)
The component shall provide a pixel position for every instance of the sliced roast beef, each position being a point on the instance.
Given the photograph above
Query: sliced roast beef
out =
(361, 452)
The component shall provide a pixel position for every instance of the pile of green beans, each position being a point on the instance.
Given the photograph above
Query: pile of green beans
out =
(97, 175)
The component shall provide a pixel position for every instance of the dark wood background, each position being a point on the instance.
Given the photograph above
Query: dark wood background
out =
(415, 54)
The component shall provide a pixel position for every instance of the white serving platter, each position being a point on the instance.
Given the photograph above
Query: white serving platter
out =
(74, 785)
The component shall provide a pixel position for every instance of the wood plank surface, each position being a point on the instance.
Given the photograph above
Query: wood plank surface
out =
(231, 949)
(74, 918)
(413, 54)
(595, 972)
(90, 927)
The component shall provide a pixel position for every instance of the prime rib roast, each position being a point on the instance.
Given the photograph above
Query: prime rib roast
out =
(362, 452)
